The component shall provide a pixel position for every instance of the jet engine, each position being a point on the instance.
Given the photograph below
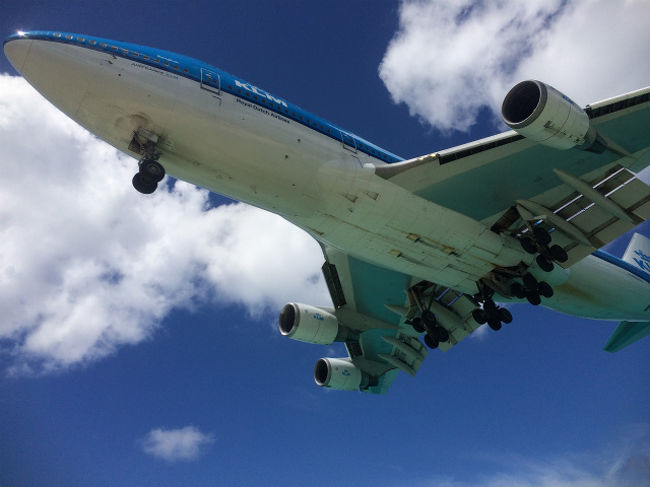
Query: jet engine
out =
(541, 113)
(308, 324)
(337, 373)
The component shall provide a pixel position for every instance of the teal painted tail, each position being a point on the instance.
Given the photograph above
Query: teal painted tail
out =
(625, 334)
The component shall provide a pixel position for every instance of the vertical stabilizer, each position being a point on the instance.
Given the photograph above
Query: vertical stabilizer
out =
(638, 252)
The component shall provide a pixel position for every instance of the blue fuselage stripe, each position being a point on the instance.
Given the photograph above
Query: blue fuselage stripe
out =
(612, 259)
(192, 69)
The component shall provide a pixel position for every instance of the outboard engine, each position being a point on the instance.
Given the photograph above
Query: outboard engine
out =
(541, 113)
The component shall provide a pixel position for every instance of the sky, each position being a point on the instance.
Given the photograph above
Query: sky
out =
(138, 340)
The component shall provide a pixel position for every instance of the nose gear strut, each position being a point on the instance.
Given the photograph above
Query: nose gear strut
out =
(150, 171)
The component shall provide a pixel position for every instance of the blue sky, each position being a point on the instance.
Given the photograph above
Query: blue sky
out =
(207, 392)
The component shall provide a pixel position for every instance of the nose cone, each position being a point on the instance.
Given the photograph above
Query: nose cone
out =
(61, 72)
(16, 50)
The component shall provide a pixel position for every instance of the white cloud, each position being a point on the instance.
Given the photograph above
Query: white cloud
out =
(87, 264)
(451, 58)
(183, 444)
(625, 464)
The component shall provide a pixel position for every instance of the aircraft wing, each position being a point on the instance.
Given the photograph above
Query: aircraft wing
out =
(591, 197)
(375, 304)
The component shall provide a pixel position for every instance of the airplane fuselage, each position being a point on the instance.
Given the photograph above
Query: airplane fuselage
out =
(229, 136)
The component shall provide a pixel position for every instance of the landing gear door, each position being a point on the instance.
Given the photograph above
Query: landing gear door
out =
(210, 81)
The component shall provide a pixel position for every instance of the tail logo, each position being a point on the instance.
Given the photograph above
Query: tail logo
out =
(643, 261)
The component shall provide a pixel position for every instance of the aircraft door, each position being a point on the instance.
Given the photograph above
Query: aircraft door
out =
(348, 142)
(210, 81)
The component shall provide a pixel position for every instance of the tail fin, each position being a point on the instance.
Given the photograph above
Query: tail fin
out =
(625, 334)
(638, 252)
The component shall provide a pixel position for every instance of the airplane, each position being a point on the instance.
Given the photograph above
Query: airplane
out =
(420, 250)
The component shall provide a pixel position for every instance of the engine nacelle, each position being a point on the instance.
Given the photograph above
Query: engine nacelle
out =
(308, 324)
(337, 373)
(541, 113)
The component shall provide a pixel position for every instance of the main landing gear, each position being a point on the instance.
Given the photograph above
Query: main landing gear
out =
(518, 282)
(427, 321)
(489, 312)
(537, 242)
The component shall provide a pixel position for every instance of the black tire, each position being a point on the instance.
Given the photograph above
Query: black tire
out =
(544, 264)
(430, 341)
(530, 283)
(143, 184)
(517, 290)
(489, 305)
(505, 315)
(533, 298)
(479, 315)
(558, 254)
(528, 244)
(152, 170)
(440, 334)
(494, 324)
(541, 235)
(429, 319)
(545, 289)
(417, 325)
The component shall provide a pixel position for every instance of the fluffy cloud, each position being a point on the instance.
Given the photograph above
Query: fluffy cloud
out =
(451, 58)
(183, 444)
(626, 464)
(87, 264)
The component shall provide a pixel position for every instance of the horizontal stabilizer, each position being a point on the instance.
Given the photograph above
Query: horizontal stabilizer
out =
(625, 334)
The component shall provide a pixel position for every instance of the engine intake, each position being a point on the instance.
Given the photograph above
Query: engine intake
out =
(338, 373)
(308, 324)
(541, 113)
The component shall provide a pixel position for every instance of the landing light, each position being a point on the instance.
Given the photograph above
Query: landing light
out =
(21, 33)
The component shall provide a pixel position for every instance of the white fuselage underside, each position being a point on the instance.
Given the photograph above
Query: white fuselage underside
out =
(242, 150)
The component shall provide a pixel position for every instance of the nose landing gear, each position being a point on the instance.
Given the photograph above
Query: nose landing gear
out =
(150, 171)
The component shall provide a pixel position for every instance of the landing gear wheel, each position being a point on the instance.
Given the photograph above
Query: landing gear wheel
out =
(533, 298)
(543, 263)
(440, 334)
(494, 324)
(541, 235)
(517, 290)
(558, 254)
(429, 319)
(479, 315)
(529, 282)
(430, 341)
(545, 289)
(143, 184)
(528, 244)
(417, 325)
(152, 170)
(505, 315)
